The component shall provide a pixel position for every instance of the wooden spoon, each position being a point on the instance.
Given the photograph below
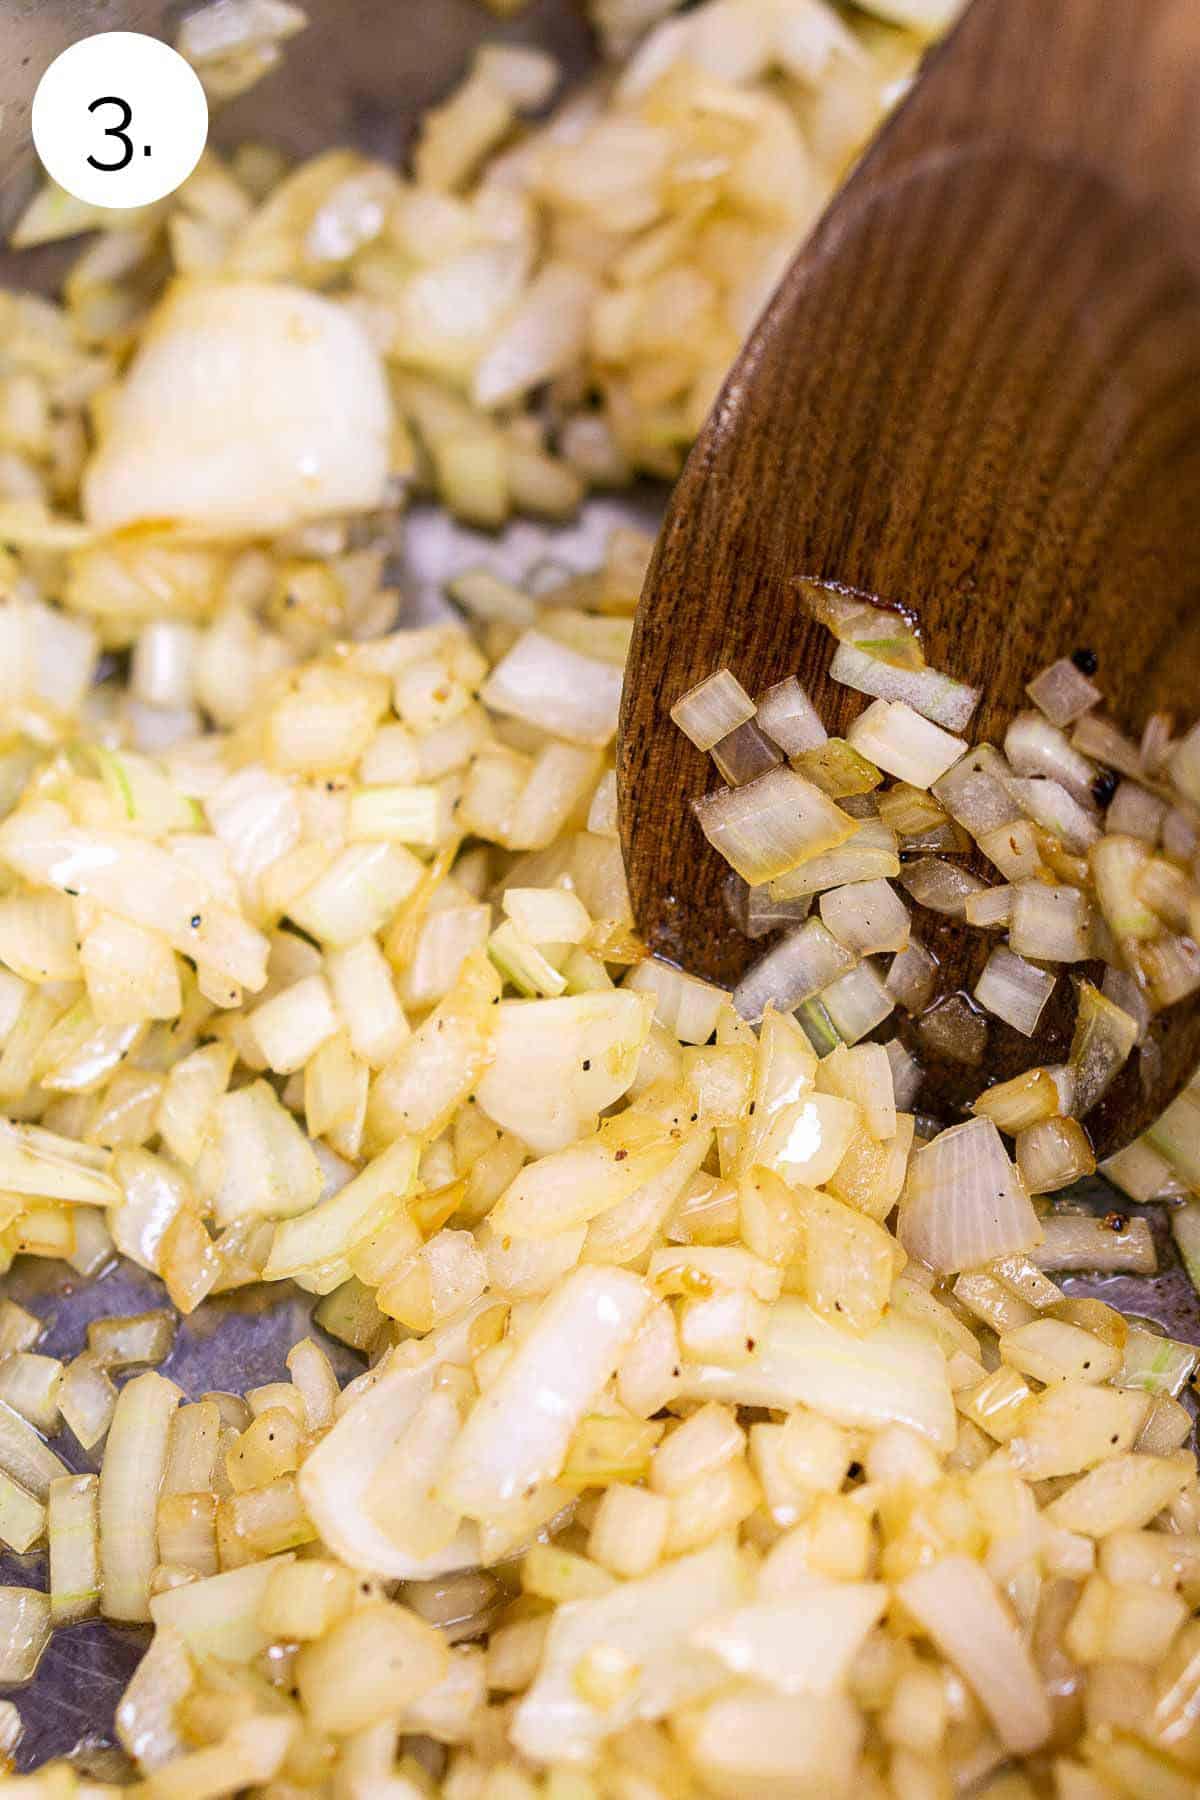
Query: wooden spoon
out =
(976, 393)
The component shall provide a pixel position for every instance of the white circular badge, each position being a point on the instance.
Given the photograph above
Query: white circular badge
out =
(119, 119)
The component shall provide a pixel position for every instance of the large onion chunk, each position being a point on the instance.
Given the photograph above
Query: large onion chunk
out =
(249, 407)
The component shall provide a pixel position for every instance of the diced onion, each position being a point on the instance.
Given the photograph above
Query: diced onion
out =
(866, 916)
(745, 754)
(712, 709)
(772, 824)
(868, 855)
(789, 718)
(955, 1603)
(1104, 1037)
(1035, 747)
(1050, 924)
(682, 1003)
(912, 976)
(937, 697)
(1062, 692)
(1014, 990)
(941, 886)
(857, 1002)
(1052, 1153)
(557, 689)
(791, 971)
(1108, 1245)
(964, 1204)
(894, 737)
(1049, 805)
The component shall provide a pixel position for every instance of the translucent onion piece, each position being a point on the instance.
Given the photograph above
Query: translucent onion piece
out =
(853, 618)
(648, 1623)
(800, 1645)
(712, 709)
(336, 1478)
(989, 907)
(1050, 924)
(249, 408)
(789, 718)
(557, 1064)
(976, 791)
(1049, 805)
(1014, 990)
(953, 1029)
(1104, 1037)
(866, 916)
(1052, 1153)
(1176, 1135)
(24, 1632)
(937, 697)
(518, 1431)
(557, 689)
(1113, 1244)
(1100, 739)
(964, 1204)
(956, 1604)
(912, 977)
(857, 1002)
(1035, 747)
(838, 769)
(1117, 864)
(892, 1374)
(894, 737)
(1136, 812)
(1013, 848)
(771, 825)
(1020, 1101)
(941, 886)
(1062, 692)
(906, 1074)
(869, 855)
(1139, 1171)
(745, 754)
(755, 913)
(682, 1003)
(791, 972)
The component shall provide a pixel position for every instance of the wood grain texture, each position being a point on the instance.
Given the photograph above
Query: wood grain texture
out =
(977, 393)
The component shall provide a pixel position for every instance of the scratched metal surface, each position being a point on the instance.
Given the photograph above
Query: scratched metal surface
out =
(365, 85)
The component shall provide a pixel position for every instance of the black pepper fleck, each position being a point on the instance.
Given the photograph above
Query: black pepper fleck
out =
(1086, 661)
(1105, 786)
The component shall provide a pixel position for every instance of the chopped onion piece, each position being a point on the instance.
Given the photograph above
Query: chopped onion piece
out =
(964, 1204)
(1139, 1171)
(745, 755)
(1104, 1037)
(1050, 924)
(712, 709)
(1176, 1135)
(772, 824)
(857, 1002)
(941, 886)
(788, 716)
(866, 916)
(24, 1633)
(1135, 812)
(802, 1645)
(1052, 1153)
(912, 812)
(555, 688)
(1013, 848)
(937, 697)
(1022, 1101)
(838, 769)
(791, 972)
(1063, 692)
(1014, 990)
(1035, 747)
(1117, 865)
(1108, 1245)
(1049, 805)
(912, 977)
(557, 1064)
(976, 791)
(1100, 739)
(906, 1074)
(955, 1603)
(755, 913)
(869, 855)
(879, 631)
(1170, 968)
(954, 1030)
(682, 1003)
(894, 737)
(518, 1431)
(648, 1625)
(892, 1374)
(990, 906)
